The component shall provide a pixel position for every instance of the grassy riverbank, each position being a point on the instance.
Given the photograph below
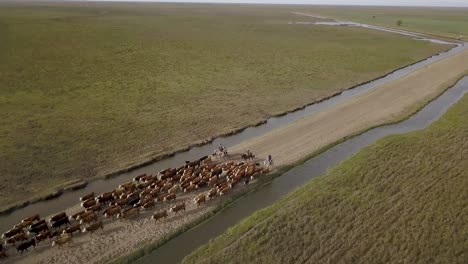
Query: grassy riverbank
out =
(402, 199)
(90, 88)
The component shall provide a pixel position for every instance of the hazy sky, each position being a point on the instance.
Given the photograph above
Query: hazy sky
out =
(339, 2)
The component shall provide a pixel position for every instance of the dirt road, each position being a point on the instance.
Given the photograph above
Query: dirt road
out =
(387, 103)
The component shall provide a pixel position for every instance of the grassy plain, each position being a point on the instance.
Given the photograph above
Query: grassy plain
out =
(400, 200)
(90, 88)
(440, 21)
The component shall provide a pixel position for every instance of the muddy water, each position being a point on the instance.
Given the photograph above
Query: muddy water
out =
(69, 199)
(176, 249)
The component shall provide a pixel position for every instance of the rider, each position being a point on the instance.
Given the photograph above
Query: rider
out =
(270, 160)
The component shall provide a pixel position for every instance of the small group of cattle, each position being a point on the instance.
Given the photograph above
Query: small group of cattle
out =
(126, 201)
(33, 230)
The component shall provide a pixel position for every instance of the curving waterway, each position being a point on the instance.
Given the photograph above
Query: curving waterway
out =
(179, 247)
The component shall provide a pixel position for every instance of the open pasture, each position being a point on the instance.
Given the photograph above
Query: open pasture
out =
(87, 89)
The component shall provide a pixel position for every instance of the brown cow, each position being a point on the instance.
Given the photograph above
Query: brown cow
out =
(112, 212)
(92, 228)
(87, 220)
(43, 236)
(24, 246)
(224, 190)
(105, 197)
(87, 197)
(174, 189)
(23, 224)
(88, 203)
(212, 193)
(57, 217)
(74, 228)
(94, 208)
(169, 197)
(190, 188)
(177, 208)
(109, 208)
(161, 214)
(62, 240)
(16, 238)
(200, 199)
(129, 213)
(33, 218)
(84, 215)
(76, 215)
(137, 178)
(149, 204)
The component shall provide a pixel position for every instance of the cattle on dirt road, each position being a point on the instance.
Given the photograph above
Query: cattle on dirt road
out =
(160, 214)
(24, 246)
(62, 240)
(177, 208)
(94, 227)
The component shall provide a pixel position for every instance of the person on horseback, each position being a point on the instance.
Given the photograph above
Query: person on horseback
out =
(270, 161)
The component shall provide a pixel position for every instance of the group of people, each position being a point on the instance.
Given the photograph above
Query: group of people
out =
(222, 151)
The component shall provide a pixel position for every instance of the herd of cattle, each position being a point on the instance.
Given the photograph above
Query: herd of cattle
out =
(144, 192)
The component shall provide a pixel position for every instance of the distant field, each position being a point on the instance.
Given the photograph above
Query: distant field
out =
(445, 22)
(90, 88)
(400, 200)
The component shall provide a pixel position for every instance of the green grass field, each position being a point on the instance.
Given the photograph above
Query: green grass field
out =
(445, 22)
(87, 89)
(403, 199)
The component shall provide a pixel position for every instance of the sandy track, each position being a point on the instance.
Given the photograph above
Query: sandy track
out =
(287, 145)
(119, 237)
(387, 103)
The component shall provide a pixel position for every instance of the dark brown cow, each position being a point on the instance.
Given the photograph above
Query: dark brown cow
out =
(24, 246)
(76, 227)
(87, 197)
(32, 218)
(57, 217)
(39, 228)
(11, 232)
(94, 227)
(61, 222)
